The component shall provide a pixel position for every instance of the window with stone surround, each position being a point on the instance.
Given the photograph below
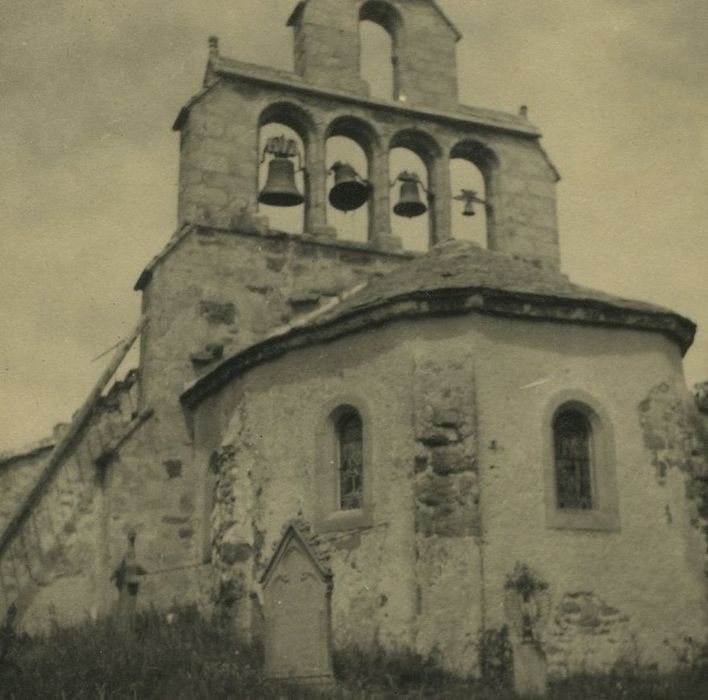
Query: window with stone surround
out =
(580, 482)
(343, 489)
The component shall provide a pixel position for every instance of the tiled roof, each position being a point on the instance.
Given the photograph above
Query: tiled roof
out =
(462, 265)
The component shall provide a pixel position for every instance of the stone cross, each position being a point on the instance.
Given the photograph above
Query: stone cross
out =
(297, 588)
(526, 604)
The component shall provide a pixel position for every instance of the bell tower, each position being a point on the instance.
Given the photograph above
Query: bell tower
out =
(327, 47)
(222, 148)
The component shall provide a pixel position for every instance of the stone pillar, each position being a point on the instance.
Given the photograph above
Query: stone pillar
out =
(439, 185)
(380, 205)
(316, 188)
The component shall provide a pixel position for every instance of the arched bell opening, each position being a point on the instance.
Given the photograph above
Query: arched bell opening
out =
(469, 213)
(411, 220)
(413, 163)
(348, 189)
(472, 171)
(349, 147)
(380, 34)
(284, 138)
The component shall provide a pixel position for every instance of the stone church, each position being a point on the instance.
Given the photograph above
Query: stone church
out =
(437, 418)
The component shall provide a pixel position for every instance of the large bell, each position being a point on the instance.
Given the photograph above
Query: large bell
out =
(409, 202)
(280, 189)
(350, 191)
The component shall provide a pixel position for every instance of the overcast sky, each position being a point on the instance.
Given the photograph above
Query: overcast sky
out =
(89, 90)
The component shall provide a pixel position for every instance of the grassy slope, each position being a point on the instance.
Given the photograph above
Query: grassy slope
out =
(193, 658)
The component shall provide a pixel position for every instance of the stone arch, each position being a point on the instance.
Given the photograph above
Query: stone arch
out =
(386, 16)
(358, 130)
(292, 115)
(484, 160)
(421, 143)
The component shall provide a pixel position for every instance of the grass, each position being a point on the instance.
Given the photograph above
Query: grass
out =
(192, 658)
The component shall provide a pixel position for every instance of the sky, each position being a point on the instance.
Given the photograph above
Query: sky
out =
(89, 90)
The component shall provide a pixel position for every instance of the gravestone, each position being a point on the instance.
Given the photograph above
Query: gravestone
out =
(297, 589)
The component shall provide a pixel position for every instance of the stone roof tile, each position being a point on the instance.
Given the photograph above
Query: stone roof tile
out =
(454, 277)
(464, 265)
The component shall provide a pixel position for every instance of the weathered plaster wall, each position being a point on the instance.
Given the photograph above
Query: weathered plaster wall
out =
(484, 388)
(216, 289)
(58, 565)
(407, 578)
(617, 595)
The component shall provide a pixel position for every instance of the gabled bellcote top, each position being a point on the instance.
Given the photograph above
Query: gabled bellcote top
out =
(296, 17)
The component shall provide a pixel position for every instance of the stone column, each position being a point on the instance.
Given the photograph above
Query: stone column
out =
(316, 188)
(380, 233)
(439, 185)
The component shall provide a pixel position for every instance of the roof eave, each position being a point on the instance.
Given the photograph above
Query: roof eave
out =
(440, 302)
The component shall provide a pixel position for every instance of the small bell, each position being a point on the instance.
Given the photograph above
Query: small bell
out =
(280, 189)
(409, 202)
(470, 198)
(469, 208)
(350, 191)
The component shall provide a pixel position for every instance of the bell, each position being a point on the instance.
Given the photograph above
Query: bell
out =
(409, 204)
(350, 191)
(280, 189)
(470, 198)
(469, 208)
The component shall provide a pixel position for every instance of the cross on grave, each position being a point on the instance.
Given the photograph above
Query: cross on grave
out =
(297, 590)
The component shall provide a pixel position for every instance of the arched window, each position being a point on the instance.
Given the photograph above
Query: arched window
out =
(580, 481)
(344, 481)
(350, 460)
(572, 443)
(379, 39)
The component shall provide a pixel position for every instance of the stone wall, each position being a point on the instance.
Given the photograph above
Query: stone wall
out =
(215, 291)
(460, 429)
(327, 48)
(18, 474)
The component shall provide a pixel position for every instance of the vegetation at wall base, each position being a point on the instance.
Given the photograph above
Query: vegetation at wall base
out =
(183, 656)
